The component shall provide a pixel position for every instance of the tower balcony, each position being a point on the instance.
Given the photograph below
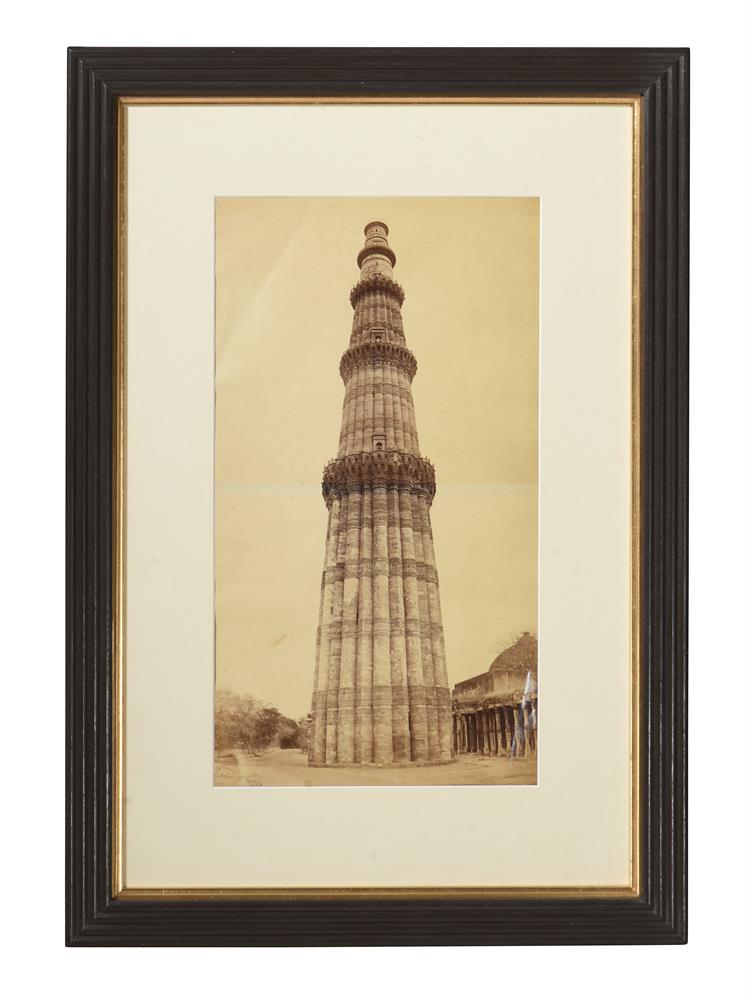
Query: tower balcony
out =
(377, 283)
(389, 469)
(377, 352)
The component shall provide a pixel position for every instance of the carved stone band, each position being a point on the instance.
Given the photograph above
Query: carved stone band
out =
(377, 283)
(375, 352)
(379, 248)
(388, 469)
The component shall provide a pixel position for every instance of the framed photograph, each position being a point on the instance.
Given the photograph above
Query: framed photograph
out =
(377, 509)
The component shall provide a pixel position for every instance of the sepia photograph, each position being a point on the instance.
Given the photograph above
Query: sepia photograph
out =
(376, 491)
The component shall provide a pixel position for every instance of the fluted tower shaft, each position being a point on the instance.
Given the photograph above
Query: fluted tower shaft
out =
(380, 693)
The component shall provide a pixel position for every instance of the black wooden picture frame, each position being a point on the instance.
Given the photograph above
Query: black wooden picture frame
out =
(97, 79)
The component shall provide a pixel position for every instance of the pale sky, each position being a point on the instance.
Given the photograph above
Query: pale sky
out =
(284, 269)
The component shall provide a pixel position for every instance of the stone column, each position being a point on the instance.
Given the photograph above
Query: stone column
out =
(316, 750)
(364, 740)
(501, 732)
(344, 417)
(398, 657)
(510, 725)
(404, 386)
(387, 389)
(416, 696)
(382, 710)
(349, 632)
(379, 403)
(357, 435)
(368, 423)
(427, 665)
(354, 437)
(331, 734)
(437, 641)
(323, 669)
(397, 414)
(411, 416)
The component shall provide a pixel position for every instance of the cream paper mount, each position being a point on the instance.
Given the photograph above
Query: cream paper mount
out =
(575, 827)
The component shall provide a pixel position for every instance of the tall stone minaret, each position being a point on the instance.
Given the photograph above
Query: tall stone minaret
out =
(380, 693)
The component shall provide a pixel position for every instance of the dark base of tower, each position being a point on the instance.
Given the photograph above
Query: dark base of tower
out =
(384, 767)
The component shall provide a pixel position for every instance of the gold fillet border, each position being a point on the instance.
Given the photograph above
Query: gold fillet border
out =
(118, 887)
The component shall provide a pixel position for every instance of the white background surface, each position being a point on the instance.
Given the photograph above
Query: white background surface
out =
(33, 405)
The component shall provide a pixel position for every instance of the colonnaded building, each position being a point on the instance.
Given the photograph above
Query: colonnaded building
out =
(380, 693)
(496, 713)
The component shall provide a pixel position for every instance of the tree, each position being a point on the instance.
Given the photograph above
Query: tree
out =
(303, 733)
(234, 721)
(266, 726)
(293, 733)
(243, 723)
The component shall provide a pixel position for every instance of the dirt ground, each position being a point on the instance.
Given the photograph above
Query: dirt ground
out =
(289, 767)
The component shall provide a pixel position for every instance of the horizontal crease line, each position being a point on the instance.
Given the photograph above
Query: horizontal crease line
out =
(445, 489)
